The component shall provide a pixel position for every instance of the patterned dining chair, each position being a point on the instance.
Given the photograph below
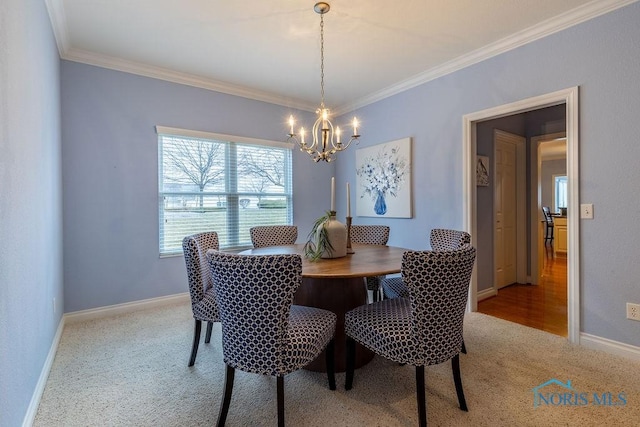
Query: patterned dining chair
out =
(203, 303)
(371, 235)
(440, 239)
(262, 331)
(273, 235)
(424, 329)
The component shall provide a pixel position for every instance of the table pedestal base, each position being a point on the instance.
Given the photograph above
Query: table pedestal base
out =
(339, 296)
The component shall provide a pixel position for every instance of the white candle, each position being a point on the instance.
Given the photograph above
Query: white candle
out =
(338, 134)
(302, 134)
(333, 194)
(355, 126)
(291, 123)
(348, 201)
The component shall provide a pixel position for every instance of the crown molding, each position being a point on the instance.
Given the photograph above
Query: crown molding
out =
(566, 20)
(58, 19)
(160, 73)
(556, 24)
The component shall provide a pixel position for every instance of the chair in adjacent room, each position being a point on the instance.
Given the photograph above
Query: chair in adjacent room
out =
(424, 329)
(203, 303)
(548, 221)
(440, 239)
(371, 235)
(273, 235)
(262, 331)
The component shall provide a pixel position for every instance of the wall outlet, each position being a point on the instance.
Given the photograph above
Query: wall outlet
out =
(633, 311)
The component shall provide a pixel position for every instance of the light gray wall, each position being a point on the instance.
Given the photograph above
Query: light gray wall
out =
(30, 202)
(110, 177)
(602, 57)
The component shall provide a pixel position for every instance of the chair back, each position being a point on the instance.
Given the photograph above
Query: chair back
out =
(442, 239)
(547, 215)
(370, 234)
(438, 284)
(273, 235)
(254, 295)
(195, 248)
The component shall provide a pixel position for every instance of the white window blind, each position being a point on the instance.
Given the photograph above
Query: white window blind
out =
(222, 183)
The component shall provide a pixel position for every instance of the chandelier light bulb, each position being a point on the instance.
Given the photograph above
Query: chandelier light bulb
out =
(323, 146)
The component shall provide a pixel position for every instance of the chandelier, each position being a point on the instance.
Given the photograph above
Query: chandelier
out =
(325, 140)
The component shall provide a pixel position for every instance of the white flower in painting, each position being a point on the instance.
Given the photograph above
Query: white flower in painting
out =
(382, 174)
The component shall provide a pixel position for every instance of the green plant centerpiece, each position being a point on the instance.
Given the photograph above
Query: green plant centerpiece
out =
(327, 238)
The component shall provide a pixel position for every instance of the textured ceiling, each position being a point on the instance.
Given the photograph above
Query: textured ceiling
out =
(271, 50)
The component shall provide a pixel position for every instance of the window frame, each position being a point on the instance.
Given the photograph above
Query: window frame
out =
(230, 183)
(554, 179)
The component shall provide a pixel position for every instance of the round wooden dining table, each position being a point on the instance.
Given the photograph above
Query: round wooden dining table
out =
(337, 284)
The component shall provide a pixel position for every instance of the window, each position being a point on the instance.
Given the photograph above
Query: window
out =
(222, 183)
(559, 192)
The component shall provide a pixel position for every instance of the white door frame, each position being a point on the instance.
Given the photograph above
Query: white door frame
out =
(569, 97)
(537, 243)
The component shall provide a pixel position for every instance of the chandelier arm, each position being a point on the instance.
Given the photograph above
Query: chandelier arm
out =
(323, 145)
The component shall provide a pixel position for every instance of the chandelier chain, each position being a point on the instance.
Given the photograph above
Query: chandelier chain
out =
(325, 139)
(322, 62)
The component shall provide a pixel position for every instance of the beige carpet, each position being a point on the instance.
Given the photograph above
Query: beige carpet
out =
(131, 370)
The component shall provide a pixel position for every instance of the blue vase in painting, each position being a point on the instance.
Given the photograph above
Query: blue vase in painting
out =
(380, 208)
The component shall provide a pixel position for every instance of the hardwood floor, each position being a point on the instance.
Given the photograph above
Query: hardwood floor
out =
(542, 306)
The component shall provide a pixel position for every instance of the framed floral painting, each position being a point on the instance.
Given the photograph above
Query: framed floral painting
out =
(383, 180)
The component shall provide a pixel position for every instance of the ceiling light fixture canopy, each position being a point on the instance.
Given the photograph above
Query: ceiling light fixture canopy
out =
(325, 140)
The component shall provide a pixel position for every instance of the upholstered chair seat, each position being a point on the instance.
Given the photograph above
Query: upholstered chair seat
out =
(203, 303)
(440, 239)
(423, 329)
(262, 331)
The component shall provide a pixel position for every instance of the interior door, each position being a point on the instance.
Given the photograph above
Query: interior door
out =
(505, 202)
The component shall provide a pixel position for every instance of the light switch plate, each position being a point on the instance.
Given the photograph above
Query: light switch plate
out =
(586, 211)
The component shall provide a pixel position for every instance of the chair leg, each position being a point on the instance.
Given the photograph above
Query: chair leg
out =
(464, 347)
(196, 341)
(226, 397)
(330, 361)
(455, 366)
(351, 356)
(207, 337)
(421, 397)
(280, 391)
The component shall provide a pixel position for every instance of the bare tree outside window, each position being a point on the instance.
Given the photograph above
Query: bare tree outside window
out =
(219, 184)
(196, 162)
(265, 167)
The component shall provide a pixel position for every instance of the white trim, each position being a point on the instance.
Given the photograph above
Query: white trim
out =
(553, 25)
(164, 130)
(546, 28)
(535, 162)
(487, 293)
(58, 19)
(179, 77)
(32, 410)
(569, 97)
(610, 346)
(128, 307)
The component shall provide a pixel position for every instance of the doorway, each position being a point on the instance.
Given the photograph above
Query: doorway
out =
(568, 98)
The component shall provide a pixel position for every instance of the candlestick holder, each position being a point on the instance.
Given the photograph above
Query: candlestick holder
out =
(349, 248)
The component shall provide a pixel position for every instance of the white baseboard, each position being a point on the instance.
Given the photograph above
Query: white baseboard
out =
(128, 307)
(32, 410)
(610, 346)
(486, 293)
